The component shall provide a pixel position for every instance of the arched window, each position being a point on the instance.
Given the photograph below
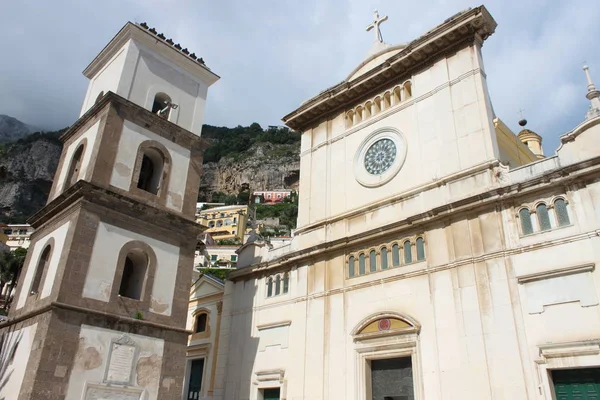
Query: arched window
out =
(269, 287)
(407, 90)
(201, 320)
(526, 225)
(397, 98)
(100, 95)
(277, 285)
(420, 249)
(361, 264)
(372, 261)
(562, 215)
(219, 223)
(543, 217)
(384, 258)
(134, 275)
(162, 105)
(39, 270)
(395, 255)
(74, 167)
(407, 252)
(350, 118)
(211, 224)
(227, 222)
(358, 115)
(376, 105)
(387, 100)
(151, 171)
(286, 282)
(368, 109)
(351, 267)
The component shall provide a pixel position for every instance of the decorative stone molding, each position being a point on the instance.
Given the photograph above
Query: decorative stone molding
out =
(273, 325)
(556, 272)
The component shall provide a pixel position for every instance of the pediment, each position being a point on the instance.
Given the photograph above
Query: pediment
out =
(206, 286)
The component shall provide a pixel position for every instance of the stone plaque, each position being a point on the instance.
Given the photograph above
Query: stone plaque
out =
(96, 392)
(120, 362)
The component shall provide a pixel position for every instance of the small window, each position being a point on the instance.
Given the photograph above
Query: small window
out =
(39, 270)
(219, 223)
(99, 97)
(227, 222)
(211, 224)
(151, 170)
(372, 261)
(269, 287)
(201, 322)
(543, 217)
(162, 105)
(526, 225)
(384, 258)
(562, 215)
(233, 258)
(407, 252)
(361, 264)
(420, 249)
(234, 220)
(213, 257)
(286, 282)
(395, 255)
(134, 275)
(277, 285)
(351, 267)
(74, 167)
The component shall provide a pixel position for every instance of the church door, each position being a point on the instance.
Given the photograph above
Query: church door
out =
(195, 385)
(392, 379)
(577, 384)
(271, 394)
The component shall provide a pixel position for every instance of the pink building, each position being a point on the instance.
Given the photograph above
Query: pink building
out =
(271, 196)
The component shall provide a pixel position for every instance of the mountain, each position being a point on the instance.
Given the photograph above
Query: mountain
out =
(241, 158)
(13, 129)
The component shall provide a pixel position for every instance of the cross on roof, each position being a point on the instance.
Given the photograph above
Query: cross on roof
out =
(521, 112)
(375, 25)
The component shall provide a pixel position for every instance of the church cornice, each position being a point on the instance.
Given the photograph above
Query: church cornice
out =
(473, 25)
(501, 195)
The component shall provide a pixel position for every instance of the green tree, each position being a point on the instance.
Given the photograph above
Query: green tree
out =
(11, 264)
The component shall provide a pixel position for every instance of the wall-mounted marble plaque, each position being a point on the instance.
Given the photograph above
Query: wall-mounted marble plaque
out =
(120, 361)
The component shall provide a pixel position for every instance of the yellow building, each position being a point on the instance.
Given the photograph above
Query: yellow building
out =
(226, 222)
(3, 236)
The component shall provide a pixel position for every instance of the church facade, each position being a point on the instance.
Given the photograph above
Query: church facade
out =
(101, 306)
(437, 255)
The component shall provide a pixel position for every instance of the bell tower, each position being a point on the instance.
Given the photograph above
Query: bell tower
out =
(101, 305)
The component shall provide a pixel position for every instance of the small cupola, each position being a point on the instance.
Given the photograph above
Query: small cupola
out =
(531, 139)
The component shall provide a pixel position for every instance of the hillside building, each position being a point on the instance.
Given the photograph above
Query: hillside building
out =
(437, 256)
(271, 196)
(101, 306)
(18, 235)
(225, 222)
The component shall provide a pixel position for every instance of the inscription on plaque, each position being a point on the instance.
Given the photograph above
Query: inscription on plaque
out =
(94, 392)
(120, 363)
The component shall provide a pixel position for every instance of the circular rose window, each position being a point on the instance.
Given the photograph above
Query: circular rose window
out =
(379, 157)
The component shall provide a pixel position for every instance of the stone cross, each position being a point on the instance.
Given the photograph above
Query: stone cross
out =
(375, 25)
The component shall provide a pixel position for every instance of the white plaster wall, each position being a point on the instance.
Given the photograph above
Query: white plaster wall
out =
(95, 348)
(91, 136)
(103, 263)
(107, 79)
(15, 371)
(59, 235)
(131, 138)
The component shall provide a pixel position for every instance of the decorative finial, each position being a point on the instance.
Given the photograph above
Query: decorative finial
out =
(593, 95)
(375, 25)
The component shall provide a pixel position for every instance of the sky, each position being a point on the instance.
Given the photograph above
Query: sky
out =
(274, 54)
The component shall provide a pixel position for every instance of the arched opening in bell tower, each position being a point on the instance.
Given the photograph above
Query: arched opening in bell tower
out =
(151, 171)
(134, 275)
(74, 167)
(162, 105)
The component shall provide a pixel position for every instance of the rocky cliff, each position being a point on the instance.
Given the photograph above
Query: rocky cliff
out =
(12, 129)
(263, 166)
(26, 172)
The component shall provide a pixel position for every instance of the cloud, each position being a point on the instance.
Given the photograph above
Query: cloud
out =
(274, 54)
